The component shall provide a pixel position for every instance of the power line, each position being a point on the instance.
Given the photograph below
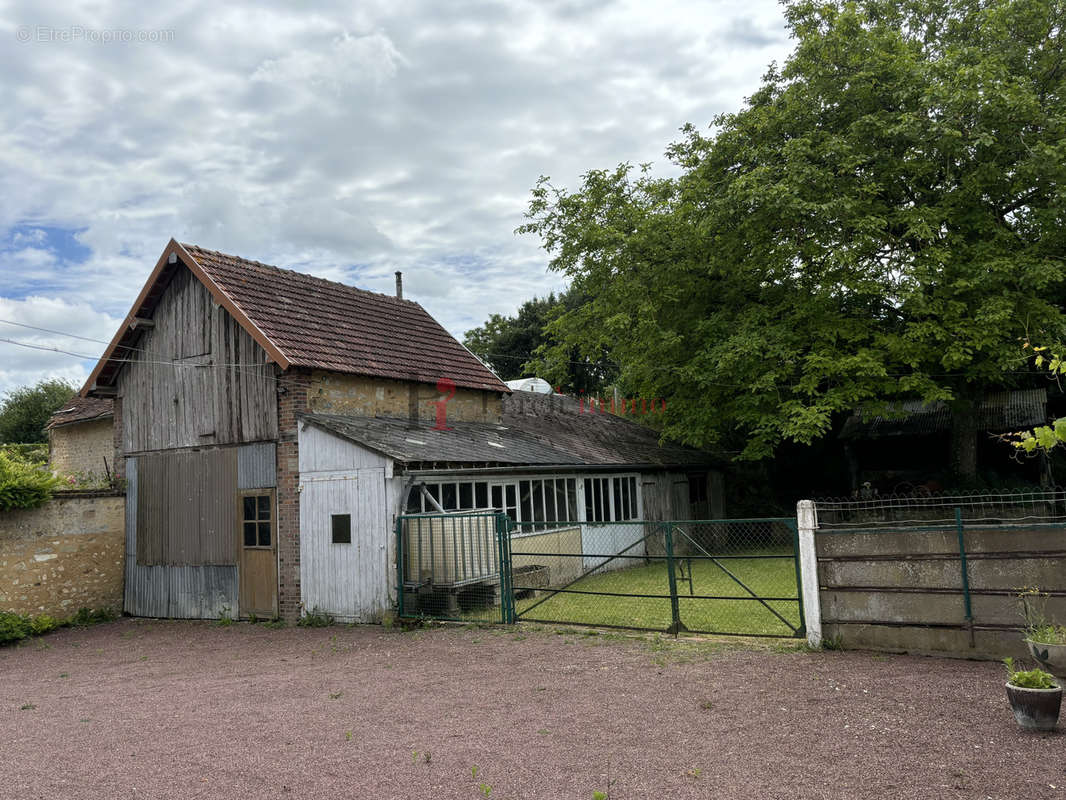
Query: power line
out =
(49, 330)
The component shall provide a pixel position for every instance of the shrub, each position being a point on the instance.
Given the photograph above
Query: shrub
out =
(23, 485)
(315, 618)
(14, 627)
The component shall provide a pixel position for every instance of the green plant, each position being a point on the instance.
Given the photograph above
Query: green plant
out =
(43, 624)
(225, 619)
(1038, 627)
(1028, 679)
(315, 618)
(597, 795)
(14, 627)
(274, 624)
(336, 695)
(833, 642)
(88, 616)
(485, 789)
(23, 485)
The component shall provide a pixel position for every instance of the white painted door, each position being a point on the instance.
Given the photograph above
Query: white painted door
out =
(344, 537)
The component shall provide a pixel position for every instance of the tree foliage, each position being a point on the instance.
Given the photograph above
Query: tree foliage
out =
(25, 411)
(521, 347)
(885, 217)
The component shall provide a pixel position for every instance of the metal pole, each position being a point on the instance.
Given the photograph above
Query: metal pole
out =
(399, 565)
(965, 574)
(675, 605)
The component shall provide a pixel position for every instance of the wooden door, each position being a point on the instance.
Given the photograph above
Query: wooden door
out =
(258, 561)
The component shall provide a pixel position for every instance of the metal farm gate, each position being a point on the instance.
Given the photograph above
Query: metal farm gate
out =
(737, 577)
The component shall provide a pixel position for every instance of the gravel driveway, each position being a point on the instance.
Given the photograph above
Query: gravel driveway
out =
(154, 709)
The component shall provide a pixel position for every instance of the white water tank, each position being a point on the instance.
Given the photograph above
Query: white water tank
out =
(538, 385)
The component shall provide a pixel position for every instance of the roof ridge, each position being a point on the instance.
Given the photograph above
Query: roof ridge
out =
(190, 246)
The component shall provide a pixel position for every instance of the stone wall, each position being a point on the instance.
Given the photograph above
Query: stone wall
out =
(65, 555)
(902, 590)
(82, 447)
(362, 396)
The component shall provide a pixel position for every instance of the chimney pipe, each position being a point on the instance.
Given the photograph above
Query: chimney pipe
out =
(399, 284)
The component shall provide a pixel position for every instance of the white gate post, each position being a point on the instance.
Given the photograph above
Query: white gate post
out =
(812, 609)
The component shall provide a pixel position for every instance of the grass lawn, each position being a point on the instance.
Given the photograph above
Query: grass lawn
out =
(767, 577)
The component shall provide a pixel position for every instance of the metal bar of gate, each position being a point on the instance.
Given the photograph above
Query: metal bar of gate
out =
(740, 583)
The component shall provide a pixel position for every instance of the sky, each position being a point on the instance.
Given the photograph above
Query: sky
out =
(348, 140)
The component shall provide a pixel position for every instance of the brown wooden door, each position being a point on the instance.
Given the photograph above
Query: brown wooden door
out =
(258, 562)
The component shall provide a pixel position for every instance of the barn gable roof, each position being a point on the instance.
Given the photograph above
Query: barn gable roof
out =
(304, 321)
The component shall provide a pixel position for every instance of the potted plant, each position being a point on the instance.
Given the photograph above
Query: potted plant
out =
(1046, 641)
(1035, 697)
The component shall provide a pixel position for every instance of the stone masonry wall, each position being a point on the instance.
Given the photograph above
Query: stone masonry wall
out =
(357, 395)
(81, 447)
(67, 554)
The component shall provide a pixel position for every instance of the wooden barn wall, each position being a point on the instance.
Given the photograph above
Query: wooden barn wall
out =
(350, 581)
(189, 592)
(222, 392)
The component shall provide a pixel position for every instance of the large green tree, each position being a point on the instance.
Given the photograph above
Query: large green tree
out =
(885, 217)
(25, 411)
(521, 346)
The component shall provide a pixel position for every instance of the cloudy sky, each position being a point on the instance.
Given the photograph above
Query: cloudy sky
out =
(347, 140)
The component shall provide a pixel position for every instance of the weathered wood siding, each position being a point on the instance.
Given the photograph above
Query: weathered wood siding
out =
(221, 391)
(350, 581)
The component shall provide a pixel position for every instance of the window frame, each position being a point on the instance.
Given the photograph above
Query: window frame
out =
(243, 494)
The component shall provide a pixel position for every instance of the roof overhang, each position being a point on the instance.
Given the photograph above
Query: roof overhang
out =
(124, 342)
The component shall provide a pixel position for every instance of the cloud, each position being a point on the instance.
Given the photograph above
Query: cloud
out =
(347, 141)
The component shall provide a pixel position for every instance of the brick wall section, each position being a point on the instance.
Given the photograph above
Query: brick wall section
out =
(291, 401)
(362, 396)
(67, 554)
(81, 447)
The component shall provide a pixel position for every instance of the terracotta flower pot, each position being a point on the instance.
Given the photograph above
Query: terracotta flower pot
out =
(1035, 709)
(1052, 657)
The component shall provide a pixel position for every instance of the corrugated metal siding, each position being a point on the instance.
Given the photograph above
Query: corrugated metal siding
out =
(350, 581)
(257, 466)
(187, 508)
(189, 592)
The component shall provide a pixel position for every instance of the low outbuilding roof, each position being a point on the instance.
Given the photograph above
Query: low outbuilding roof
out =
(536, 429)
(999, 412)
(81, 409)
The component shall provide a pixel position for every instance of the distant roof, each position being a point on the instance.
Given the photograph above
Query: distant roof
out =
(537, 429)
(80, 409)
(999, 412)
(304, 321)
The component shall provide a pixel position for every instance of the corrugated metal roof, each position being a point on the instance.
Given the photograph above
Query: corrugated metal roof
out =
(998, 412)
(536, 429)
(80, 409)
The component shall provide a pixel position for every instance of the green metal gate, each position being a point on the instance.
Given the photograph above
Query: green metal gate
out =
(737, 577)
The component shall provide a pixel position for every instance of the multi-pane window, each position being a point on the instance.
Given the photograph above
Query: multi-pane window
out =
(545, 501)
(611, 499)
(451, 495)
(255, 519)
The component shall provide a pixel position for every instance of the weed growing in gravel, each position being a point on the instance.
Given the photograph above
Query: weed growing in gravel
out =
(336, 695)
(485, 789)
(315, 618)
(16, 627)
(225, 619)
(706, 705)
(64, 674)
(596, 795)
(835, 643)
(473, 772)
(27, 707)
(274, 624)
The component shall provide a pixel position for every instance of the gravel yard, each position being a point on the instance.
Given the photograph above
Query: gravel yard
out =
(160, 709)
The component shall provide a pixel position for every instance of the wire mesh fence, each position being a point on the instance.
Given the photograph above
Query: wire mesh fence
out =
(933, 509)
(708, 576)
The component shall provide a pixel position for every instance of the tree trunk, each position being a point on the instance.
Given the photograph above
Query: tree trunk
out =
(964, 441)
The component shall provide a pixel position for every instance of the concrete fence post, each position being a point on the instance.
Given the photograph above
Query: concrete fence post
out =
(807, 521)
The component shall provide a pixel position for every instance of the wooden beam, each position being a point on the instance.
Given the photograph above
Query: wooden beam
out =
(103, 391)
(142, 322)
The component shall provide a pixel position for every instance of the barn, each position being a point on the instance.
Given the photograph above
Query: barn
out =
(271, 426)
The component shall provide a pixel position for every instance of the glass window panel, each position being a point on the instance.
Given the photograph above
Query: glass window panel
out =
(450, 499)
(537, 500)
(571, 499)
(597, 503)
(414, 501)
(624, 486)
(264, 534)
(264, 506)
(481, 495)
(524, 490)
(589, 516)
(249, 508)
(497, 498)
(341, 525)
(249, 534)
(550, 512)
(616, 486)
(434, 491)
(633, 496)
(511, 503)
(466, 496)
